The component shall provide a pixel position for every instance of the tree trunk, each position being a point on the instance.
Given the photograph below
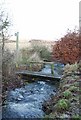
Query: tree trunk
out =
(3, 43)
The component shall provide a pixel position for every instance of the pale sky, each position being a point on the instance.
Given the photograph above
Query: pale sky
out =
(43, 19)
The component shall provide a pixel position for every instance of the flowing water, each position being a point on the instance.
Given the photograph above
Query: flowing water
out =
(26, 102)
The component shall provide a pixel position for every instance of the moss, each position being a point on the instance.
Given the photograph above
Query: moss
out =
(63, 104)
(67, 94)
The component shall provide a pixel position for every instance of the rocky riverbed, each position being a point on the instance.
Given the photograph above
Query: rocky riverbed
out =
(26, 102)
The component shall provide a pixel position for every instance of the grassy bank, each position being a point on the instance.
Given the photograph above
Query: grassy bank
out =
(66, 103)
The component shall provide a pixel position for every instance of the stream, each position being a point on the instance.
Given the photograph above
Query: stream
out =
(26, 102)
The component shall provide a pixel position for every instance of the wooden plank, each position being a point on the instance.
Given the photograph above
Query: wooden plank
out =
(36, 75)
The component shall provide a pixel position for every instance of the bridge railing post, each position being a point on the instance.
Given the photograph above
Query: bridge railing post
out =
(30, 64)
(52, 69)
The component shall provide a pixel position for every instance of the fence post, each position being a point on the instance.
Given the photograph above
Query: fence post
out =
(17, 47)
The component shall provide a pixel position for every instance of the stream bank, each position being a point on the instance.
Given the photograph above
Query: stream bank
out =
(66, 103)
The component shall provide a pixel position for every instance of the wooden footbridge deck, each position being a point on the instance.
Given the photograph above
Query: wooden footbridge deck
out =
(24, 74)
(27, 74)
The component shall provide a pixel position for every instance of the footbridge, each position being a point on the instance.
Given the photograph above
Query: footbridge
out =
(25, 74)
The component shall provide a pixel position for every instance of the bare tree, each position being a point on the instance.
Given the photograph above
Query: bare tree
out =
(4, 25)
(7, 57)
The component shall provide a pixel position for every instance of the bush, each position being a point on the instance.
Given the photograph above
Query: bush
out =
(28, 55)
(43, 52)
(67, 94)
(67, 49)
(69, 69)
(36, 53)
(25, 54)
(8, 63)
(63, 104)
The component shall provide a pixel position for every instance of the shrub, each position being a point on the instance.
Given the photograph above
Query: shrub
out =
(67, 49)
(28, 55)
(68, 69)
(67, 94)
(63, 104)
(43, 52)
(8, 63)
(36, 53)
